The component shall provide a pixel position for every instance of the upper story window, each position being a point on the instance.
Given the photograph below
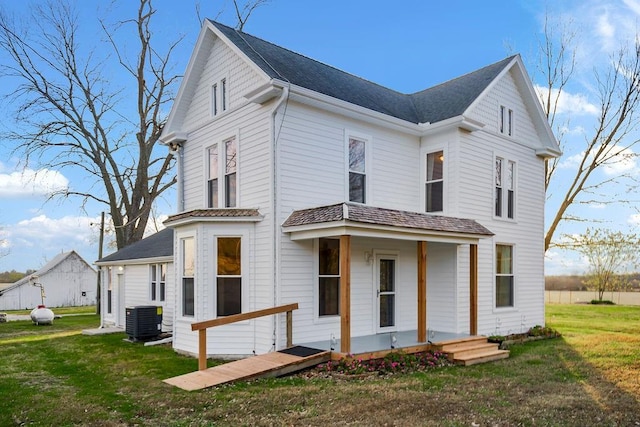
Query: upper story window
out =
(212, 181)
(434, 187)
(504, 276)
(227, 162)
(229, 276)
(188, 272)
(328, 277)
(219, 97)
(231, 159)
(158, 276)
(506, 120)
(357, 170)
(505, 180)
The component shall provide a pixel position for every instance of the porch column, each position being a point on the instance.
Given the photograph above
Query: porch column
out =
(422, 291)
(473, 289)
(345, 294)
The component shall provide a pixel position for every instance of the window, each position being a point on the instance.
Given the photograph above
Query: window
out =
(328, 277)
(219, 97)
(223, 85)
(505, 182)
(158, 274)
(434, 190)
(188, 271)
(511, 167)
(357, 170)
(214, 100)
(506, 120)
(498, 195)
(231, 156)
(504, 276)
(229, 280)
(109, 291)
(212, 182)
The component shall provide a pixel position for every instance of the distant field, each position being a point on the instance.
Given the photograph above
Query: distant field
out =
(580, 297)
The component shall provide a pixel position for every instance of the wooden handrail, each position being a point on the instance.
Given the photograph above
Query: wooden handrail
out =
(201, 327)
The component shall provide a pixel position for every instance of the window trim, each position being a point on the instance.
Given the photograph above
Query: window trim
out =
(513, 276)
(157, 287)
(222, 174)
(368, 166)
(426, 181)
(182, 240)
(328, 318)
(219, 96)
(241, 276)
(506, 120)
(506, 187)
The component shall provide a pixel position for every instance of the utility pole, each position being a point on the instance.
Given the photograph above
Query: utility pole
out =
(98, 290)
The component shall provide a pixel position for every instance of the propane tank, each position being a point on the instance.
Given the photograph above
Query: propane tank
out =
(41, 315)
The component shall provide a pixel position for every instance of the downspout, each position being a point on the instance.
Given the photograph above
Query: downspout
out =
(276, 246)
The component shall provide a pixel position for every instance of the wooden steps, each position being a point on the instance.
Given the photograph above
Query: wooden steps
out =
(471, 351)
(262, 366)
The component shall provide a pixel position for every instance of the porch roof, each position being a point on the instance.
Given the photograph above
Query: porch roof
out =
(362, 220)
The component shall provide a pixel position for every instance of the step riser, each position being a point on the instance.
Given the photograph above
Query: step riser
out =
(473, 351)
(459, 345)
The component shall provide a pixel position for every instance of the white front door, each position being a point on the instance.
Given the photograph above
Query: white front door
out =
(386, 291)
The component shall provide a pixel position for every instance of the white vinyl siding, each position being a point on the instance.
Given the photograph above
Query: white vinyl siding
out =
(222, 67)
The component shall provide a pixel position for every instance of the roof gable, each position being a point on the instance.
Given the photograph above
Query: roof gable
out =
(436, 104)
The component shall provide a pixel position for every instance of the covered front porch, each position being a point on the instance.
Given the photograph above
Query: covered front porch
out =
(406, 341)
(345, 222)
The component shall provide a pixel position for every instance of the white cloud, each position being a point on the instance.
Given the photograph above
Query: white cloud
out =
(43, 232)
(30, 182)
(623, 161)
(568, 103)
(634, 219)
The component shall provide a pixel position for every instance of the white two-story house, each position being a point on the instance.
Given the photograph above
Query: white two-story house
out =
(375, 211)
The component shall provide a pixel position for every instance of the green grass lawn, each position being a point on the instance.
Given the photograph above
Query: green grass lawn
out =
(52, 375)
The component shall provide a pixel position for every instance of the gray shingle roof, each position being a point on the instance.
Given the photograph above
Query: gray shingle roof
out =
(216, 213)
(157, 245)
(381, 216)
(441, 102)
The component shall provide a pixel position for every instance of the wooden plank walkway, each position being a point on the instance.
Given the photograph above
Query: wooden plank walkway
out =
(262, 366)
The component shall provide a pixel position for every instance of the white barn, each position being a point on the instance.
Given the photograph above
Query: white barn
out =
(376, 212)
(68, 280)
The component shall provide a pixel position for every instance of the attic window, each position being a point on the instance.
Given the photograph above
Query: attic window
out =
(506, 120)
(219, 97)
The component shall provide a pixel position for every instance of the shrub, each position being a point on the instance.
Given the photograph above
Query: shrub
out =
(543, 331)
(602, 302)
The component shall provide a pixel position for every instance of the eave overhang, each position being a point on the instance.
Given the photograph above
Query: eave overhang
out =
(368, 221)
(214, 216)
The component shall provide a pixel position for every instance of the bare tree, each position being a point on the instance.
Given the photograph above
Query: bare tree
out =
(610, 254)
(610, 140)
(244, 11)
(71, 114)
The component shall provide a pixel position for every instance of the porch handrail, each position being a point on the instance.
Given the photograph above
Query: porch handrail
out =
(201, 327)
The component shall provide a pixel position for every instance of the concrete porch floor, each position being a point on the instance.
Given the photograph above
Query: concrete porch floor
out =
(384, 341)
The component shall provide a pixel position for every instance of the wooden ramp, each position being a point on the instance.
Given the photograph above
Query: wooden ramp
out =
(265, 365)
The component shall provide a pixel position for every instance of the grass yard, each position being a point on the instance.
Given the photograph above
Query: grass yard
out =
(51, 375)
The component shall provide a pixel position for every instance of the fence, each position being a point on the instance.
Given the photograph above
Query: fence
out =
(578, 297)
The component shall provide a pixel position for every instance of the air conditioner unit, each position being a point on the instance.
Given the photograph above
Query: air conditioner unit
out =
(143, 322)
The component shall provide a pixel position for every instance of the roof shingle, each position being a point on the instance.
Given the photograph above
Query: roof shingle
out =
(438, 103)
(381, 216)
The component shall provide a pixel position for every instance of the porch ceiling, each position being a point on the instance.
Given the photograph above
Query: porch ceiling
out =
(369, 221)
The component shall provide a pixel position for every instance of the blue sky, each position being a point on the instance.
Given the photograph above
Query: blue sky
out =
(407, 45)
